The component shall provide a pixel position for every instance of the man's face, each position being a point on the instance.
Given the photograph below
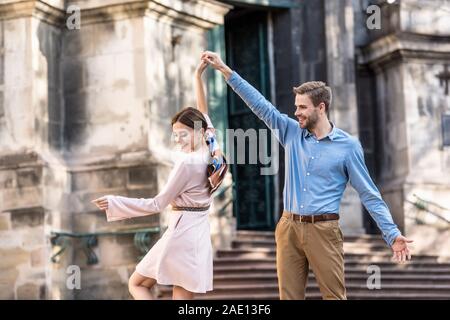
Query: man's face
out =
(306, 113)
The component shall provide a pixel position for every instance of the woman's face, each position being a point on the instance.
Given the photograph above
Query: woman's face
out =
(186, 138)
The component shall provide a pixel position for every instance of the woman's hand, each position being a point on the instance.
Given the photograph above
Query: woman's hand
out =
(101, 203)
(214, 60)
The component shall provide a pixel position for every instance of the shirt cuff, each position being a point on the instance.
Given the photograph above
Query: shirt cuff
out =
(110, 217)
(390, 238)
(234, 79)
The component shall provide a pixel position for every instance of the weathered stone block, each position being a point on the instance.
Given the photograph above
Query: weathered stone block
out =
(8, 278)
(26, 218)
(33, 238)
(75, 133)
(2, 108)
(20, 198)
(112, 254)
(75, 105)
(73, 75)
(29, 177)
(112, 291)
(88, 222)
(18, 158)
(55, 135)
(5, 221)
(39, 257)
(142, 176)
(99, 72)
(13, 257)
(79, 42)
(103, 283)
(148, 192)
(125, 240)
(30, 291)
(97, 180)
(117, 36)
(7, 179)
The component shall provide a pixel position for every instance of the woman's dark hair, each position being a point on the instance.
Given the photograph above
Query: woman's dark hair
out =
(189, 116)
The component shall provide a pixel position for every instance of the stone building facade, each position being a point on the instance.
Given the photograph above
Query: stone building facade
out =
(86, 112)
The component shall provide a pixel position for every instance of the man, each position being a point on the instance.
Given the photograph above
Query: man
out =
(320, 160)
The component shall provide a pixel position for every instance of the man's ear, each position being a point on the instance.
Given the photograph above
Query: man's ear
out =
(322, 107)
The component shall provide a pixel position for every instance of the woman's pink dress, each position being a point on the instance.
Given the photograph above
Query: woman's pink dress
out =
(183, 255)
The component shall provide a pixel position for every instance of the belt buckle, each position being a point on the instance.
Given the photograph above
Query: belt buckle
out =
(312, 219)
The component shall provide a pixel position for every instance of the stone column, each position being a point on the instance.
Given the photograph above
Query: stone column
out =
(341, 78)
(410, 105)
(30, 130)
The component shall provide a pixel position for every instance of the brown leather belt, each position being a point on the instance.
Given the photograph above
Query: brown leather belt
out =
(311, 218)
(174, 208)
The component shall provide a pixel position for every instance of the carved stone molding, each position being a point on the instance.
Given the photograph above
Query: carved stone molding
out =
(200, 13)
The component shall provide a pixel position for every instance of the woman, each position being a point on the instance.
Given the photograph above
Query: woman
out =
(183, 256)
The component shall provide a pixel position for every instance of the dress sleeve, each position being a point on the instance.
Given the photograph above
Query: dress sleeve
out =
(208, 121)
(120, 208)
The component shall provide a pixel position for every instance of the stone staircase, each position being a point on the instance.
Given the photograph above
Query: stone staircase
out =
(248, 271)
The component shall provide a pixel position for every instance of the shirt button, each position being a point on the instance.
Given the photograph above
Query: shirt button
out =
(317, 141)
(304, 189)
(312, 158)
(301, 206)
(307, 174)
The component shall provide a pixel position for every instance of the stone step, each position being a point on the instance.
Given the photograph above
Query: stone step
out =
(380, 261)
(255, 288)
(269, 235)
(348, 246)
(317, 296)
(272, 233)
(233, 264)
(244, 279)
(349, 269)
(248, 271)
(268, 252)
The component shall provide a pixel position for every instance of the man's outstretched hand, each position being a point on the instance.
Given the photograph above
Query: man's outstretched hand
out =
(400, 249)
(214, 60)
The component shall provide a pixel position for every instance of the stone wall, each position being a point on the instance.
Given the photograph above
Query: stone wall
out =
(84, 113)
(405, 57)
(340, 59)
(23, 245)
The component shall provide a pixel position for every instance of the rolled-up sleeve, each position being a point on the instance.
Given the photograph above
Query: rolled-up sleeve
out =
(370, 196)
(283, 127)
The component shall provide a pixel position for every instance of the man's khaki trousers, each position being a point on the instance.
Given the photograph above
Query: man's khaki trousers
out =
(301, 245)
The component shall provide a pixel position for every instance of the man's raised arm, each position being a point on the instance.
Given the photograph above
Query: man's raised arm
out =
(283, 127)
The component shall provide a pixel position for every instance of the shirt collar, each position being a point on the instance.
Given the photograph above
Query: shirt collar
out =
(331, 135)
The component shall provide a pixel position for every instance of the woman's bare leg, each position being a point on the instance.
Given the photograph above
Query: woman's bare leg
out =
(180, 293)
(139, 286)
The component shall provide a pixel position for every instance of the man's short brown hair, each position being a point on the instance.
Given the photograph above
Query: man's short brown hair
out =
(317, 91)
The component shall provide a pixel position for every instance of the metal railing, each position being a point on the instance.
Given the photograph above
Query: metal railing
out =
(142, 240)
(221, 193)
(424, 205)
(142, 237)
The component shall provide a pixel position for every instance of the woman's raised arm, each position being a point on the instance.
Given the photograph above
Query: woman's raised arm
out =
(199, 89)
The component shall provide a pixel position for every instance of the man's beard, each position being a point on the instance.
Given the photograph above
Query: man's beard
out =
(311, 122)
